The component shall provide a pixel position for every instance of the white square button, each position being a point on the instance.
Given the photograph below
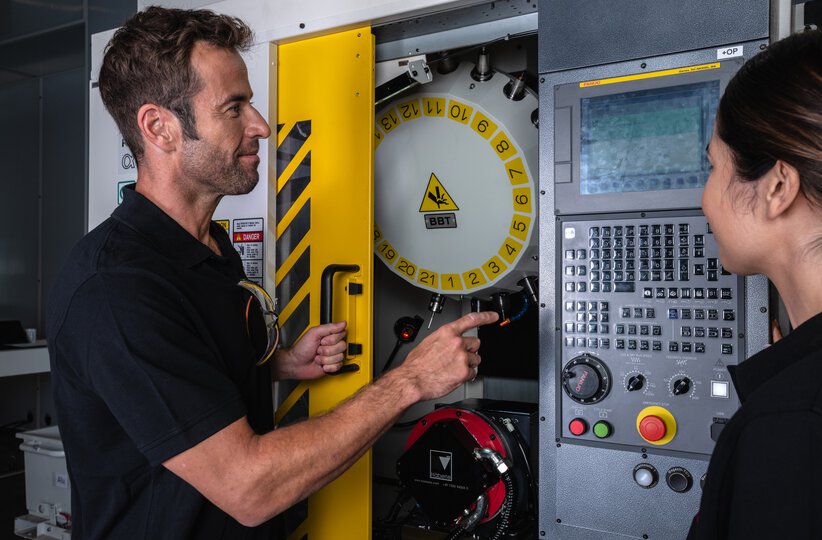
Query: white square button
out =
(719, 389)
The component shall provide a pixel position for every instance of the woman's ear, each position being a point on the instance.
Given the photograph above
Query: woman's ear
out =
(780, 188)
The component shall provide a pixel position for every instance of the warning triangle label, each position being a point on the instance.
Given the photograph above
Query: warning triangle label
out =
(444, 460)
(436, 198)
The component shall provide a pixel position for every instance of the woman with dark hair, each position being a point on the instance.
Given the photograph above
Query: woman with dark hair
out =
(763, 200)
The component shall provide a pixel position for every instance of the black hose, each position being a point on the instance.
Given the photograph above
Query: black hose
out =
(507, 506)
(455, 533)
(392, 356)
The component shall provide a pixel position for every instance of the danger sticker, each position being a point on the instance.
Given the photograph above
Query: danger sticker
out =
(256, 236)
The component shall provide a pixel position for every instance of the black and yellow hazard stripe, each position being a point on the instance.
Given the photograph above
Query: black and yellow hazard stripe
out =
(324, 216)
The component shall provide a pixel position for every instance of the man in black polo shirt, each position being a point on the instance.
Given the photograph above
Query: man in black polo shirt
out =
(165, 415)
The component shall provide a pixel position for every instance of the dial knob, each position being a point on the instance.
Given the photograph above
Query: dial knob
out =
(635, 382)
(586, 379)
(681, 386)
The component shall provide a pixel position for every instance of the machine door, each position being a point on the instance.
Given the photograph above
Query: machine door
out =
(323, 210)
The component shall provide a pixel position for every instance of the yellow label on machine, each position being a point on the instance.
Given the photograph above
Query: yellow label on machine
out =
(650, 75)
(436, 198)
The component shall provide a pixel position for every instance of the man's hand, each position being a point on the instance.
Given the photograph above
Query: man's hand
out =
(445, 359)
(319, 351)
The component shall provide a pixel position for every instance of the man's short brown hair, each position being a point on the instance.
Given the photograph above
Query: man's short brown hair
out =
(149, 61)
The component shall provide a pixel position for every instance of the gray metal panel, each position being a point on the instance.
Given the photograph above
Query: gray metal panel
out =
(63, 160)
(455, 28)
(580, 33)
(584, 486)
(19, 206)
(548, 437)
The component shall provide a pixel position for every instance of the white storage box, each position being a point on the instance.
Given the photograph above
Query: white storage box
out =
(48, 494)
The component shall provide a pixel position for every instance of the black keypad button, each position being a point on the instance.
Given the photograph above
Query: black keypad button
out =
(569, 328)
(592, 343)
(656, 330)
(699, 348)
(631, 329)
(699, 269)
(726, 294)
(593, 232)
(727, 348)
(727, 333)
(620, 344)
(647, 292)
(685, 292)
(606, 287)
(603, 328)
(650, 313)
(644, 330)
(656, 229)
(687, 347)
(713, 332)
(686, 313)
(728, 315)
(643, 345)
(632, 344)
(643, 230)
(624, 287)
(713, 264)
(699, 240)
(699, 331)
(638, 313)
(603, 306)
(673, 346)
(603, 317)
(673, 292)
(683, 228)
(685, 331)
(699, 252)
(569, 254)
(713, 294)
(657, 345)
(699, 294)
(595, 287)
(713, 275)
(656, 275)
(713, 315)
(582, 254)
(604, 343)
(660, 292)
(619, 329)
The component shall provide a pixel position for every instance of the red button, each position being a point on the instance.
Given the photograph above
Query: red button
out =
(652, 428)
(578, 426)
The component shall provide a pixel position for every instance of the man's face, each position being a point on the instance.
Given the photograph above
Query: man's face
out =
(224, 160)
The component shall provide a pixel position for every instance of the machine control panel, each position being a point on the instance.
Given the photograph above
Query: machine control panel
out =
(650, 319)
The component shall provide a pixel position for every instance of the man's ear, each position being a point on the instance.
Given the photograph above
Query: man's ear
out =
(781, 187)
(160, 128)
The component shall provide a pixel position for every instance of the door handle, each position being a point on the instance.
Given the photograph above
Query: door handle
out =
(327, 302)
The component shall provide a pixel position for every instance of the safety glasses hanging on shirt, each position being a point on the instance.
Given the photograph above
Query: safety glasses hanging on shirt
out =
(267, 309)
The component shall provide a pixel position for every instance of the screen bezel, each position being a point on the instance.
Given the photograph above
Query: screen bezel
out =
(569, 96)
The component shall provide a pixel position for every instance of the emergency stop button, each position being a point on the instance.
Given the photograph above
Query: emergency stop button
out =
(656, 425)
(652, 428)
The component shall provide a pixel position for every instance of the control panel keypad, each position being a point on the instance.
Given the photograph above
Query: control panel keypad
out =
(649, 297)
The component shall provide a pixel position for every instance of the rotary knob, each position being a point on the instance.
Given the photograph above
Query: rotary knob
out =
(681, 386)
(586, 379)
(635, 382)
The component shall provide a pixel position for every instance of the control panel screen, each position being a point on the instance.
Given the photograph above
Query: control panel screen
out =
(647, 140)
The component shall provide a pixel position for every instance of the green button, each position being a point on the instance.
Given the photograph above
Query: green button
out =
(602, 429)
